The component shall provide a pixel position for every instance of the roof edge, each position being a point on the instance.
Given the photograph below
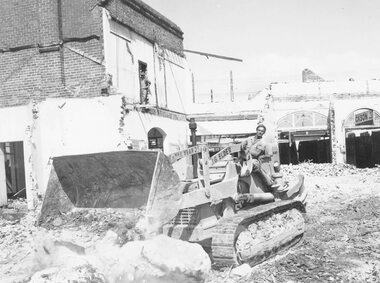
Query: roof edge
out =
(147, 11)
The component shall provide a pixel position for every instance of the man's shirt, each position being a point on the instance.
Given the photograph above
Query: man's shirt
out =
(256, 147)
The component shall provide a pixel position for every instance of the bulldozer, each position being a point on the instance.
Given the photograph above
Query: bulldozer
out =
(234, 216)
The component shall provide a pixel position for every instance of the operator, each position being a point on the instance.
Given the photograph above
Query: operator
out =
(256, 147)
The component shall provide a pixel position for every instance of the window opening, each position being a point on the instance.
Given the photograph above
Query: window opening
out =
(145, 93)
(156, 139)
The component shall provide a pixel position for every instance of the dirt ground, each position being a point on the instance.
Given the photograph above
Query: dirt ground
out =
(342, 239)
(341, 243)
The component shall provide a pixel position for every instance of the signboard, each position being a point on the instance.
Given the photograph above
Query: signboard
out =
(220, 155)
(184, 153)
(364, 118)
(232, 148)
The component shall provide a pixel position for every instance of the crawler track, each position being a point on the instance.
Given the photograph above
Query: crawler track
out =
(256, 234)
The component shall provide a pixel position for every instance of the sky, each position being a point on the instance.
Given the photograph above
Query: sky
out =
(276, 39)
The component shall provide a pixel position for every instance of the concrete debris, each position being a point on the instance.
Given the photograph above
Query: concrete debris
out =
(50, 252)
(340, 243)
(242, 270)
(326, 170)
(57, 222)
(181, 260)
(99, 221)
(79, 273)
(161, 259)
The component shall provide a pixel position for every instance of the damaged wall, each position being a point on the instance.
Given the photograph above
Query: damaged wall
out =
(54, 67)
(35, 52)
(79, 126)
(167, 72)
(55, 48)
(147, 22)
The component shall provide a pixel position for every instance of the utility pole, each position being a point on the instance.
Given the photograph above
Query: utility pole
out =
(232, 88)
(193, 86)
(212, 96)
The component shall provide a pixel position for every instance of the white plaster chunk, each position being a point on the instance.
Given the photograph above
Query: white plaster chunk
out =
(242, 270)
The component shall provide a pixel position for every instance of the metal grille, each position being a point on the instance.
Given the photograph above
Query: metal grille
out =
(186, 216)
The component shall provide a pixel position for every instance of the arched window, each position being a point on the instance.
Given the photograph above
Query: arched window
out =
(302, 119)
(156, 137)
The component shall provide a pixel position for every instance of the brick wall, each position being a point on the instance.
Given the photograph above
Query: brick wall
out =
(29, 72)
(83, 52)
(18, 23)
(145, 21)
(54, 48)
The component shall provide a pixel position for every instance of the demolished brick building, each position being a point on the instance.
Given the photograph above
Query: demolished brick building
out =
(86, 76)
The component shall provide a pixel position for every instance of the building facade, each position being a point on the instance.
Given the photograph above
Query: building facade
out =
(315, 120)
(328, 121)
(86, 76)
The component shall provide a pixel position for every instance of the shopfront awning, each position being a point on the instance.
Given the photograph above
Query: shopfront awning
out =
(218, 134)
(226, 128)
(303, 135)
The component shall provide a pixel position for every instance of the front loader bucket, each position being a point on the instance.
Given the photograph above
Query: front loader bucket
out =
(120, 179)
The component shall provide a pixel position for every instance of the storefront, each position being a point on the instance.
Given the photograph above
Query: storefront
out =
(362, 134)
(218, 134)
(304, 136)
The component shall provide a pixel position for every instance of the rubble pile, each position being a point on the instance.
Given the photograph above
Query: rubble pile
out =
(99, 221)
(327, 169)
(16, 237)
(160, 259)
(340, 243)
(341, 239)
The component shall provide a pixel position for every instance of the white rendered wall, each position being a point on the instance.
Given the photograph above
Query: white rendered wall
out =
(79, 126)
(59, 127)
(137, 126)
(14, 123)
(124, 49)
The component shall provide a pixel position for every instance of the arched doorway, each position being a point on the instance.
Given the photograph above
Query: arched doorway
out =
(156, 137)
(304, 136)
(362, 133)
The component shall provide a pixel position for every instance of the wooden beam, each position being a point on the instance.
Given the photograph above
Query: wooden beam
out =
(27, 148)
(13, 168)
(3, 184)
(212, 117)
(213, 55)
